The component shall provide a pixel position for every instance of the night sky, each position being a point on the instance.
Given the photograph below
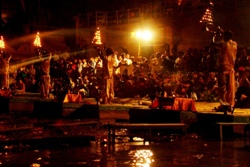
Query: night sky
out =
(50, 15)
(58, 14)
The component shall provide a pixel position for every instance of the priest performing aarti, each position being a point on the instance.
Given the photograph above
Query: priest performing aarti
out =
(109, 64)
(4, 64)
(226, 77)
(44, 58)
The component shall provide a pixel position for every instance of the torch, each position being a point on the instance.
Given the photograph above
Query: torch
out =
(97, 38)
(207, 19)
(37, 41)
(2, 47)
(2, 44)
(97, 41)
(38, 46)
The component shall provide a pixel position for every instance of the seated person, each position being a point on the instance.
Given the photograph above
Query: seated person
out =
(243, 92)
(20, 86)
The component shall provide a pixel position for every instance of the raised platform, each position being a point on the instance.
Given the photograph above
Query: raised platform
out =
(27, 105)
(132, 110)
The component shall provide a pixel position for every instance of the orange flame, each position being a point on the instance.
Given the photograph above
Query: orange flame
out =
(97, 37)
(37, 41)
(2, 45)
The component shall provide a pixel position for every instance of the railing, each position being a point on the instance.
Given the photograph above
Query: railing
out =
(113, 17)
(158, 9)
(141, 126)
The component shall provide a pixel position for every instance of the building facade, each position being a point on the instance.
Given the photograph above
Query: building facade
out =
(175, 26)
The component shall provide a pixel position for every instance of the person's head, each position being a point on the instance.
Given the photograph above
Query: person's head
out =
(123, 56)
(158, 55)
(227, 35)
(195, 75)
(20, 80)
(212, 75)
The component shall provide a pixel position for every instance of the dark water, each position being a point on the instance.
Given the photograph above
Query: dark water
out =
(188, 152)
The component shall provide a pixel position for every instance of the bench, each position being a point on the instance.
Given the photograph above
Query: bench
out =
(142, 126)
(221, 124)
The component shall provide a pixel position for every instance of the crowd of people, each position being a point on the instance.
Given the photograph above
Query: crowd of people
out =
(191, 74)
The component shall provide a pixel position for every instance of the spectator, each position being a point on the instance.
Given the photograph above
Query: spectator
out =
(20, 86)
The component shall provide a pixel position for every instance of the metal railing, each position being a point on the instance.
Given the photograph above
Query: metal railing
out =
(158, 9)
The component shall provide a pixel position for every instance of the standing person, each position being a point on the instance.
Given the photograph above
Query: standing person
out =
(109, 61)
(79, 66)
(226, 77)
(31, 71)
(5, 67)
(45, 73)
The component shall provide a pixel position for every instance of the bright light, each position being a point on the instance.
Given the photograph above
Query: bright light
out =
(138, 34)
(145, 35)
(142, 158)
(2, 45)
(37, 41)
(97, 37)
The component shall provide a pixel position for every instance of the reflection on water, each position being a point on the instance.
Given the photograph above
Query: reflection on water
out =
(189, 152)
(35, 165)
(142, 158)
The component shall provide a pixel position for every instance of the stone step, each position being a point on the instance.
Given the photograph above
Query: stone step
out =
(28, 94)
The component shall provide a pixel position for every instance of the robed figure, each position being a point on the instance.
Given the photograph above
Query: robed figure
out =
(226, 64)
(109, 61)
(4, 69)
(45, 58)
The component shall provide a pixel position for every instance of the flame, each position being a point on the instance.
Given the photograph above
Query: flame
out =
(207, 17)
(2, 45)
(37, 41)
(97, 37)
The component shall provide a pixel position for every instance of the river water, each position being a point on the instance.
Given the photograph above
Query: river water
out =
(192, 151)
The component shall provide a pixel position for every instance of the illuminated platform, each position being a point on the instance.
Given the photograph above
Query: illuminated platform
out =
(119, 109)
(129, 110)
